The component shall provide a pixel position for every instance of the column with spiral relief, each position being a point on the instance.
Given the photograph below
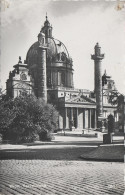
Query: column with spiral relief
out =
(42, 85)
(98, 57)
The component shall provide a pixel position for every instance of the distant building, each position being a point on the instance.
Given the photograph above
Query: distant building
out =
(48, 73)
(121, 113)
(19, 81)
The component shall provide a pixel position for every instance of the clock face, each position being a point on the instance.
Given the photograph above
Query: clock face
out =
(23, 76)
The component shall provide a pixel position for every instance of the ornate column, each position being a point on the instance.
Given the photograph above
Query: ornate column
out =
(42, 87)
(97, 57)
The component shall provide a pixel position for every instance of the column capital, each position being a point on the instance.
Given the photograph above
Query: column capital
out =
(97, 55)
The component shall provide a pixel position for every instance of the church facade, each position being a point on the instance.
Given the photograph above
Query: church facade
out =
(48, 73)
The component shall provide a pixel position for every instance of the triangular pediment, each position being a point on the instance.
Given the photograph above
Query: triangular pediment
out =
(80, 99)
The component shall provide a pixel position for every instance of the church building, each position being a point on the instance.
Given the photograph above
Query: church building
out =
(48, 72)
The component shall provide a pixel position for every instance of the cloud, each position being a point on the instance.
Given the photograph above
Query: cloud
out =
(64, 8)
(79, 25)
(23, 10)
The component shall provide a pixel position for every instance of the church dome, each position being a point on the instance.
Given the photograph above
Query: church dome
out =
(56, 50)
(59, 66)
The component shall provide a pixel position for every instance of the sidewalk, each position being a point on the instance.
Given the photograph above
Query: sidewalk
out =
(58, 142)
(63, 141)
(86, 148)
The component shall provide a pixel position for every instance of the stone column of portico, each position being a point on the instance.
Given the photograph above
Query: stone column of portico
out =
(77, 115)
(97, 57)
(83, 118)
(71, 118)
(65, 118)
(95, 120)
(90, 118)
(72, 114)
(86, 119)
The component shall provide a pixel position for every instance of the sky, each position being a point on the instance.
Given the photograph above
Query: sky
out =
(78, 24)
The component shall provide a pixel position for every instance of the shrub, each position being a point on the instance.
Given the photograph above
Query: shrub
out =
(1, 138)
(27, 119)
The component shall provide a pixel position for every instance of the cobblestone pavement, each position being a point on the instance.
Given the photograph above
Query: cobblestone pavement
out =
(60, 177)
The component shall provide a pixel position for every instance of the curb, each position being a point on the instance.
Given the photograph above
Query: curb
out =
(101, 160)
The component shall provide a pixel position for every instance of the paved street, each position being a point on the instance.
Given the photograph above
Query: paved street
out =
(58, 171)
(54, 177)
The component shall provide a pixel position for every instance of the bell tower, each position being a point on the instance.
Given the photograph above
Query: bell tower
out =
(98, 57)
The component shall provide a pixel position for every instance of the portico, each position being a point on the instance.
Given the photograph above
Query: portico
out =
(78, 114)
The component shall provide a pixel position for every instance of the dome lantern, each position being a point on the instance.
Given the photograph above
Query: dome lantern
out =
(46, 23)
(47, 28)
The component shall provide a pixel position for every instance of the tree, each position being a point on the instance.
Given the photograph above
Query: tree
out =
(119, 100)
(26, 118)
(116, 98)
(113, 97)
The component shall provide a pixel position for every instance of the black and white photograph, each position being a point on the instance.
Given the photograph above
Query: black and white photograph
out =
(62, 97)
